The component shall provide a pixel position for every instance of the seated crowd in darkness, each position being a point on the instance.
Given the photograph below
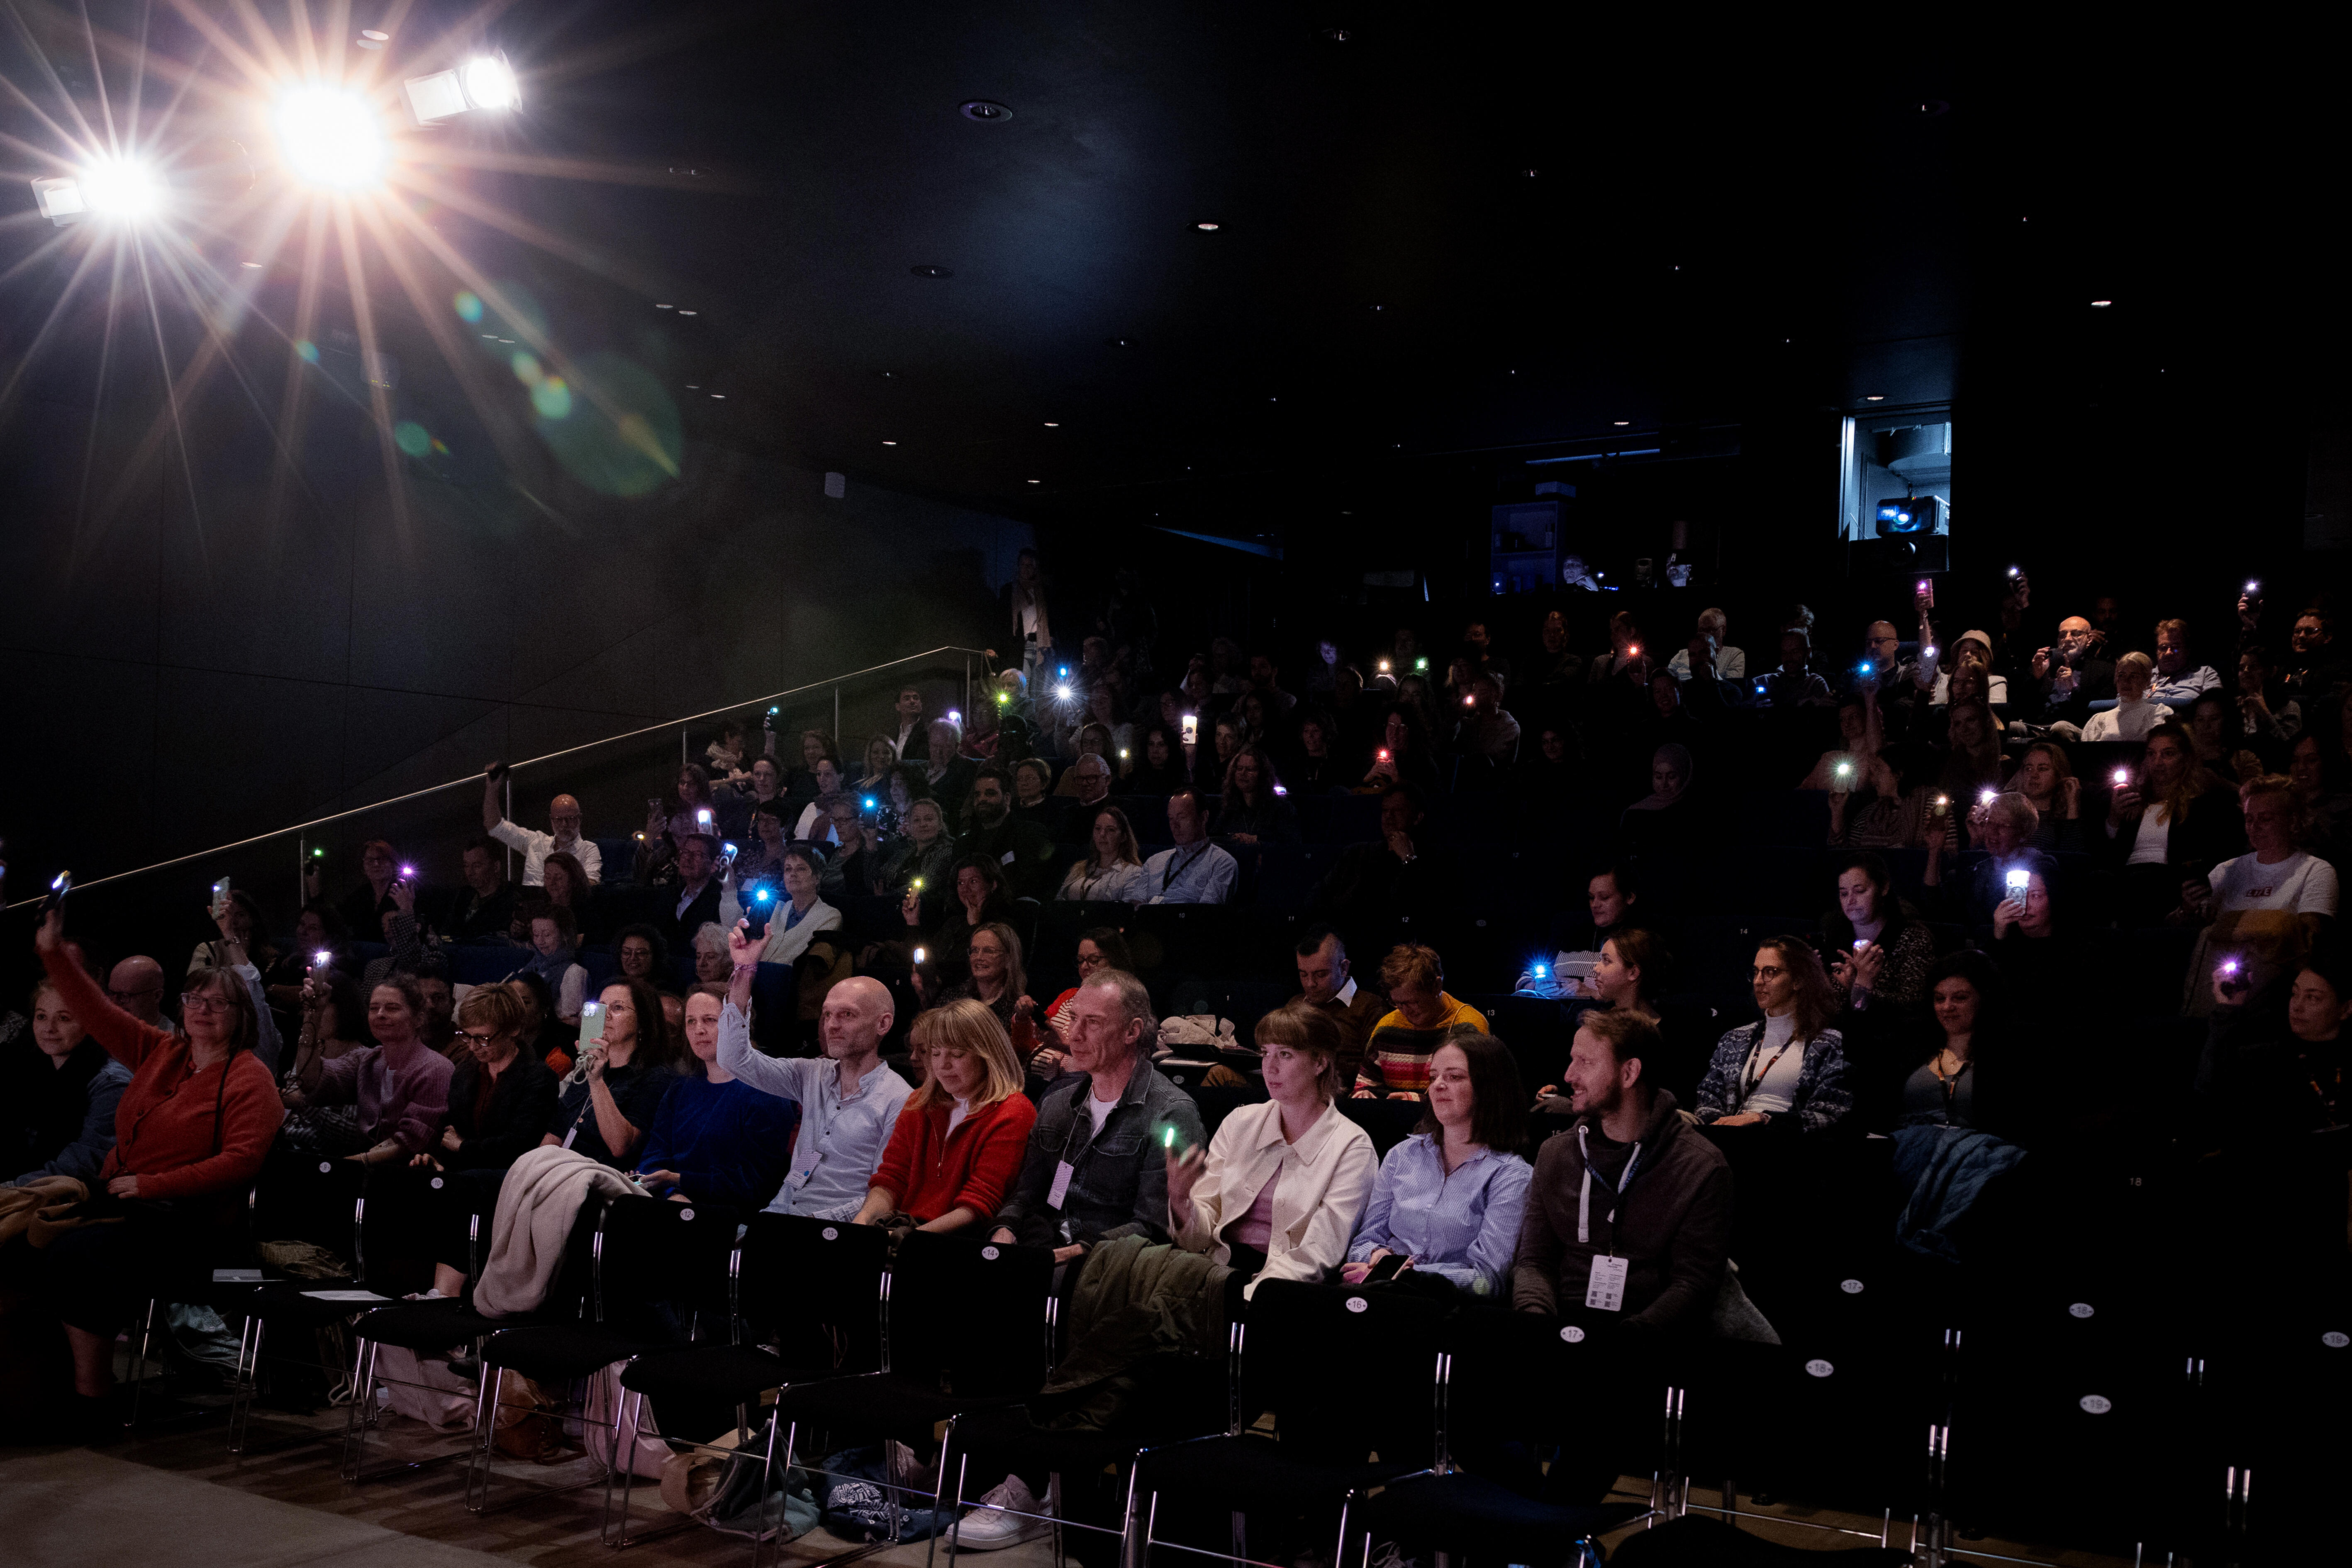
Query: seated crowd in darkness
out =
(1672, 928)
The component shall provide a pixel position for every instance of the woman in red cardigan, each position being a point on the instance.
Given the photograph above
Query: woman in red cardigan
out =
(189, 1134)
(959, 1138)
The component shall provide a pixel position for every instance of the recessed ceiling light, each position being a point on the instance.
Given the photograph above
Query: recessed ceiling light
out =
(1621, 422)
(2101, 304)
(1036, 482)
(694, 386)
(690, 313)
(987, 112)
(379, 35)
(930, 272)
(720, 395)
(1205, 226)
(252, 264)
(1876, 397)
(1052, 424)
(890, 443)
(1120, 342)
(665, 307)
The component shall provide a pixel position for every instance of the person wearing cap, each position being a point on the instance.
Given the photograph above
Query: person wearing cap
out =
(1971, 648)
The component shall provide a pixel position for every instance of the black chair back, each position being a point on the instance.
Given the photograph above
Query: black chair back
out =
(1522, 1376)
(313, 1199)
(649, 1249)
(973, 1316)
(815, 1284)
(1296, 1338)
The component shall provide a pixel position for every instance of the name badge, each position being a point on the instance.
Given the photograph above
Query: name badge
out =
(1605, 1291)
(1063, 1172)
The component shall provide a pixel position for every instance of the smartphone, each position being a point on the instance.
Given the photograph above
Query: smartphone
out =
(1388, 1267)
(757, 913)
(920, 956)
(1986, 796)
(1423, 664)
(1279, 790)
(2018, 882)
(1943, 803)
(1383, 753)
(1168, 1137)
(324, 959)
(1759, 689)
(591, 1024)
(2228, 969)
(408, 873)
(1540, 970)
(773, 711)
(702, 817)
(1191, 729)
(59, 886)
(1845, 770)
(1861, 943)
(916, 884)
(2122, 778)
(2012, 571)
(220, 895)
(2253, 587)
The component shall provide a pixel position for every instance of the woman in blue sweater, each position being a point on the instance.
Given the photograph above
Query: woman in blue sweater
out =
(718, 1140)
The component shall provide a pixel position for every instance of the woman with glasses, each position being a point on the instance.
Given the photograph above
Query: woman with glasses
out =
(192, 1130)
(400, 1085)
(1788, 1069)
(502, 1103)
(1099, 948)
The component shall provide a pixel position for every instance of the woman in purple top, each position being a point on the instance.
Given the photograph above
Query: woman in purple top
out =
(400, 1085)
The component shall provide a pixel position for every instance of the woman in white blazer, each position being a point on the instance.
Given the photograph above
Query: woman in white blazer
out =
(796, 917)
(1278, 1192)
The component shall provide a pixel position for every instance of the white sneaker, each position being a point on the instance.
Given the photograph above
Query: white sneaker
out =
(990, 1527)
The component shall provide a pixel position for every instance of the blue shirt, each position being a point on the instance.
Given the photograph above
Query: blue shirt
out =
(728, 1143)
(1463, 1226)
(1190, 874)
(842, 1136)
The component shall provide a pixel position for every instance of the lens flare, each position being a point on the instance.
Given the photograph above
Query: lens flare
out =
(490, 83)
(119, 187)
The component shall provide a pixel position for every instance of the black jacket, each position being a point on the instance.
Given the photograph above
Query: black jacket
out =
(520, 1112)
(1024, 853)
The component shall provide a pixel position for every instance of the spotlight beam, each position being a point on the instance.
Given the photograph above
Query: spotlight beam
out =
(363, 311)
(293, 405)
(520, 228)
(493, 161)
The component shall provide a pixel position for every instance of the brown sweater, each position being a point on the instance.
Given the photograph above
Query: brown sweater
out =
(1672, 1226)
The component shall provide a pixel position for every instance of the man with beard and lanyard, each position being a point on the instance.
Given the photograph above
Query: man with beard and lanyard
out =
(1626, 1229)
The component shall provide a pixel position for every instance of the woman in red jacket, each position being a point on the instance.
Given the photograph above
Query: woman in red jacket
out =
(959, 1138)
(189, 1134)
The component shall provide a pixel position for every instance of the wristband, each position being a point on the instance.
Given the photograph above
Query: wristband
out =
(747, 969)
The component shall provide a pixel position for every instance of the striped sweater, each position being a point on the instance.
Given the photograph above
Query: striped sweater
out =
(1397, 1057)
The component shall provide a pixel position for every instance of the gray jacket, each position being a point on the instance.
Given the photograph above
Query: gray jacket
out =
(1118, 1178)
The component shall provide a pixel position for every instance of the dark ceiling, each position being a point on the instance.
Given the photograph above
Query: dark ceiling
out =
(1441, 231)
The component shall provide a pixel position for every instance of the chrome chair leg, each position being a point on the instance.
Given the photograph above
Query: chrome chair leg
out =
(361, 1412)
(478, 1461)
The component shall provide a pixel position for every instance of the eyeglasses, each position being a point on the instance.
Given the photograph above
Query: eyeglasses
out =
(1767, 972)
(203, 1002)
(472, 1038)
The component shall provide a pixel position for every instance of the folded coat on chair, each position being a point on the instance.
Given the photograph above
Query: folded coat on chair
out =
(539, 1202)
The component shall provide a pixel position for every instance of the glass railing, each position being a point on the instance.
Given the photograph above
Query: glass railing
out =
(612, 776)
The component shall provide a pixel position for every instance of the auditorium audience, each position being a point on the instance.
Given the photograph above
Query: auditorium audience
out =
(2135, 712)
(642, 952)
(2167, 823)
(1277, 1192)
(1881, 953)
(611, 1096)
(849, 1096)
(1420, 1018)
(2176, 679)
(399, 1086)
(363, 908)
(1326, 980)
(552, 939)
(193, 1126)
(994, 977)
(924, 854)
(797, 914)
(2046, 779)
(1253, 809)
(563, 836)
(61, 1094)
(1449, 1199)
(1404, 754)
(1947, 1088)
(957, 1144)
(502, 1103)
(1195, 871)
(1633, 1182)
(717, 1139)
(1102, 1133)
(1022, 850)
(1789, 1067)
(1112, 869)
(1099, 948)
(2276, 875)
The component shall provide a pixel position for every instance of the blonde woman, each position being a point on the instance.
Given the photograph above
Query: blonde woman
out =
(1278, 1192)
(959, 1140)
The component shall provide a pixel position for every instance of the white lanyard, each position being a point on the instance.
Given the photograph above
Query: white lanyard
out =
(1584, 1193)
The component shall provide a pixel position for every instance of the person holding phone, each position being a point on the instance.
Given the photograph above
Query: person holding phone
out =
(1880, 954)
(1448, 1202)
(399, 1087)
(192, 1127)
(2167, 825)
(1405, 754)
(624, 1072)
(1159, 765)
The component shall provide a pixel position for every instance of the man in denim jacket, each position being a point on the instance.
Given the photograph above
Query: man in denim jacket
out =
(1097, 1167)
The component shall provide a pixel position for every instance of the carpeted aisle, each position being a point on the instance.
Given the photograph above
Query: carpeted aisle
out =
(72, 1508)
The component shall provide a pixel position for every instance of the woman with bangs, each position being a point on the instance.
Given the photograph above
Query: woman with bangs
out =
(1278, 1191)
(959, 1139)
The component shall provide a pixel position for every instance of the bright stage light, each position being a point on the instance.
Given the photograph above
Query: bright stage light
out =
(112, 187)
(490, 82)
(329, 136)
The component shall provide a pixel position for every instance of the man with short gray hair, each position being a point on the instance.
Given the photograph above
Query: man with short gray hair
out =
(1096, 1166)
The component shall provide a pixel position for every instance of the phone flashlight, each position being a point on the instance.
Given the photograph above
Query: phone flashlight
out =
(1383, 666)
(1469, 702)
(1865, 667)
(2012, 571)
(1844, 769)
(1420, 663)
(1632, 650)
(1943, 803)
(2017, 881)
(1122, 753)
(59, 886)
(1927, 652)
(1384, 754)
(1541, 970)
(2252, 586)
(1064, 673)
(2229, 966)
(317, 854)
(918, 884)
(1759, 689)
(1002, 697)
(2123, 777)
(954, 716)
(918, 955)
(1861, 943)
(320, 958)
(773, 711)
(1281, 789)
(1985, 795)
(1063, 692)
(407, 873)
(869, 803)
(702, 816)
(1168, 1139)
(763, 896)
(1923, 585)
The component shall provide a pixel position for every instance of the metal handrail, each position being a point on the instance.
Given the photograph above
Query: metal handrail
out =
(512, 768)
